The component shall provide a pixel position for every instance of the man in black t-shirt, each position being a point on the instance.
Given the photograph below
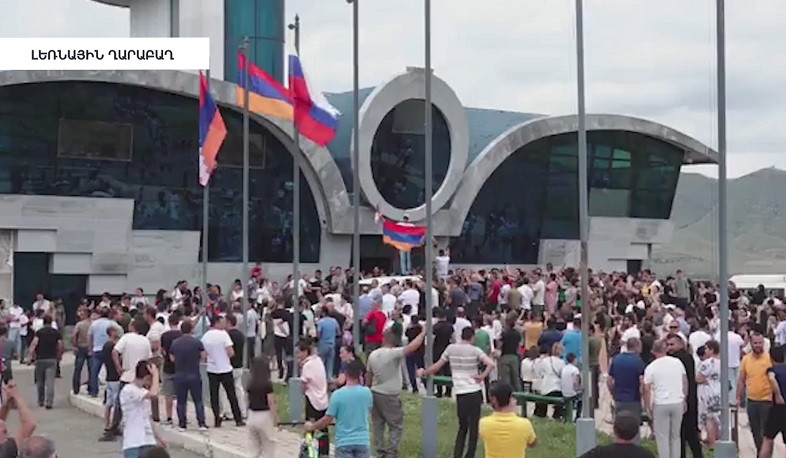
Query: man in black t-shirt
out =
(113, 384)
(443, 336)
(187, 352)
(238, 343)
(626, 427)
(46, 350)
(168, 369)
(282, 330)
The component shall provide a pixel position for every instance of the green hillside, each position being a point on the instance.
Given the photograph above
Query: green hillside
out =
(756, 225)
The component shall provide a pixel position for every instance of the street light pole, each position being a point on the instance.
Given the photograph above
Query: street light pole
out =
(429, 405)
(295, 385)
(585, 425)
(355, 174)
(724, 448)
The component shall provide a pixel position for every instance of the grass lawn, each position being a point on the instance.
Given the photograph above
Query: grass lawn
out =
(555, 439)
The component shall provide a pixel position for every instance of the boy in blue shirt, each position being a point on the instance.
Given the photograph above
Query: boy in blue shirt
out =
(349, 408)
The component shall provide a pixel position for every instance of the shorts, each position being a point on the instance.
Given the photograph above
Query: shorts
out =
(111, 394)
(168, 384)
(776, 422)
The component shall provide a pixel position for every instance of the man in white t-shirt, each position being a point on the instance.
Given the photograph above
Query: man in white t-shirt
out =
(665, 395)
(132, 348)
(699, 337)
(442, 263)
(539, 290)
(41, 303)
(139, 433)
(410, 296)
(780, 330)
(570, 382)
(252, 330)
(526, 294)
(388, 300)
(465, 358)
(630, 331)
(219, 348)
(736, 345)
(16, 319)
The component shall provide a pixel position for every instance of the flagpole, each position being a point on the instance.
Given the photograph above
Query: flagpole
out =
(355, 176)
(725, 447)
(244, 276)
(429, 403)
(295, 386)
(205, 225)
(585, 425)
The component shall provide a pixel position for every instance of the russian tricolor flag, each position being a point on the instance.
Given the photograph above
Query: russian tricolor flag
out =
(212, 132)
(315, 118)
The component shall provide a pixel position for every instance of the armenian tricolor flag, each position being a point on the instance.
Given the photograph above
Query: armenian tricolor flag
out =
(402, 236)
(266, 96)
(212, 131)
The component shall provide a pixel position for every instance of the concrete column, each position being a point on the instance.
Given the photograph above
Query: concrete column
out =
(6, 265)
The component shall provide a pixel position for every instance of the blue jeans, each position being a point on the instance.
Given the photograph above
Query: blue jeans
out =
(79, 363)
(353, 451)
(184, 384)
(96, 361)
(135, 452)
(328, 355)
(16, 342)
(405, 259)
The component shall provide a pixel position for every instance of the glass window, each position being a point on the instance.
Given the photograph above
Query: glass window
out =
(161, 174)
(503, 224)
(398, 154)
(533, 195)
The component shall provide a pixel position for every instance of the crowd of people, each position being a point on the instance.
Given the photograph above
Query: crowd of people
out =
(654, 343)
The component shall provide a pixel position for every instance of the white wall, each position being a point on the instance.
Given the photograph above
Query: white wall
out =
(6, 268)
(150, 18)
(205, 18)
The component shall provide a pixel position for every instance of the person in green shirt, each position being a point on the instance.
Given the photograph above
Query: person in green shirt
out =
(483, 341)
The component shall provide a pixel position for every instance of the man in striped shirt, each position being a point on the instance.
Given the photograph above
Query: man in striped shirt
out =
(464, 359)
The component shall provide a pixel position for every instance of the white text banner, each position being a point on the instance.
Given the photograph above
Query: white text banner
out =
(104, 53)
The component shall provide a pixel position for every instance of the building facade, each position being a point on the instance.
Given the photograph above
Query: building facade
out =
(98, 183)
(99, 192)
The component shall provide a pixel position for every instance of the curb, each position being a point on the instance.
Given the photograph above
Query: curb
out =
(194, 442)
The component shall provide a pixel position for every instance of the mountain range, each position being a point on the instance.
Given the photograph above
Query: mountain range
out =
(756, 225)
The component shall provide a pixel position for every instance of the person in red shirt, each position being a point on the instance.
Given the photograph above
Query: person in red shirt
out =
(373, 324)
(493, 296)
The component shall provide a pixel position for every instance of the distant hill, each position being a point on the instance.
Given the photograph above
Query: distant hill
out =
(756, 225)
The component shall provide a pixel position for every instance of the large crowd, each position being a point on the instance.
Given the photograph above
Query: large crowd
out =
(497, 333)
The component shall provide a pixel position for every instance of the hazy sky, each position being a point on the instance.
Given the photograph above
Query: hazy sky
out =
(653, 59)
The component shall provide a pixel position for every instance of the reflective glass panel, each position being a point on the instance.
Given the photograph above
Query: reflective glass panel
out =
(533, 195)
(398, 154)
(160, 171)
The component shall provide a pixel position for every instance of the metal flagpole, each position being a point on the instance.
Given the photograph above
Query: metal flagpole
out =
(355, 176)
(244, 276)
(429, 403)
(724, 448)
(295, 386)
(205, 225)
(585, 426)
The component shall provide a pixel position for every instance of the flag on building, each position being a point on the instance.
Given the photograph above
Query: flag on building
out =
(266, 96)
(403, 237)
(315, 117)
(212, 131)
